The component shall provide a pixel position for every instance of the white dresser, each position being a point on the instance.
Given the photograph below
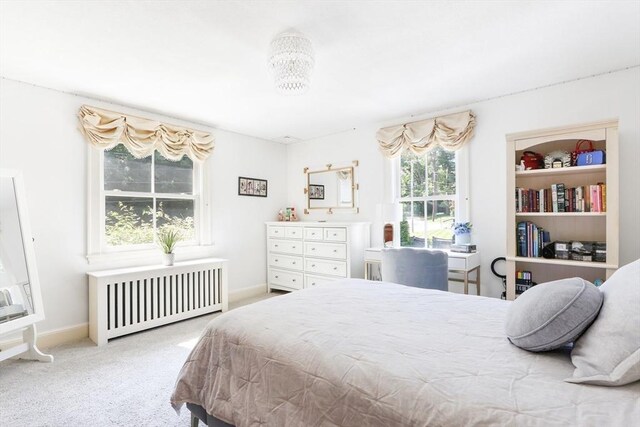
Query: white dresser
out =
(305, 254)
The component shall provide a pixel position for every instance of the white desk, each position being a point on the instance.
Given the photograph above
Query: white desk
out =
(460, 263)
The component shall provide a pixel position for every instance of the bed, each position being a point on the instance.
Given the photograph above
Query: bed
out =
(361, 353)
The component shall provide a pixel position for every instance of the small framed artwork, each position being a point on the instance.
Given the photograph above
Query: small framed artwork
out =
(316, 192)
(252, 187)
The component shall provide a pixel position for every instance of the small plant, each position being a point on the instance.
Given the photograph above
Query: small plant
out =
(461, 228)
(168, 238)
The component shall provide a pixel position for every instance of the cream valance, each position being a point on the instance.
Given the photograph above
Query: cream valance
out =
(105, 129)
(450, 132)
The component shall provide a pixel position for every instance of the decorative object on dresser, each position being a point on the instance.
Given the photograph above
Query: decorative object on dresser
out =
(563, 205)
(305, 254)
(129, 300)
(20, 299)
(252, 187)
(333, 187)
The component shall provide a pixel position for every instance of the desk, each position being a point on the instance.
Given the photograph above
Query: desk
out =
(461, 263)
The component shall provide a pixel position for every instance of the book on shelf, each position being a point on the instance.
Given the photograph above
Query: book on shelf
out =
(530, 239)
(560, 198)
(524, 280)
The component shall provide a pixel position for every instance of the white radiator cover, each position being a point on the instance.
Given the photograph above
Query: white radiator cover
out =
(129, 300)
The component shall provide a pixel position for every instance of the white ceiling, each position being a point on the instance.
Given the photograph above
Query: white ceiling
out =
(205, 61)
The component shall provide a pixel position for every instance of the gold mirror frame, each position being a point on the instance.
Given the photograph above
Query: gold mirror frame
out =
(331, 168)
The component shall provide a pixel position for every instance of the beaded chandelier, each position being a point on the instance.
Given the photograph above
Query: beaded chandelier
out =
(291, 61)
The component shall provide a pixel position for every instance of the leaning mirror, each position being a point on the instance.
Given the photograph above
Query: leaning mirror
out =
(331, 188)
(20, 301)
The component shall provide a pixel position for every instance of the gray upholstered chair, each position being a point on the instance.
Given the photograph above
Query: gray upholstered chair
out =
(422, 268)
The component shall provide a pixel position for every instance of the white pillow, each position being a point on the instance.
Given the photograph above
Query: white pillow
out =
(608, 353)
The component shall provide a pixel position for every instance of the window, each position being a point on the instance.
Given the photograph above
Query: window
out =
(134, 198)
(430, 194)
(144, 195)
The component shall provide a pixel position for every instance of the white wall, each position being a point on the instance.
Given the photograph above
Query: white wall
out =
(615, 95)
(39, 135)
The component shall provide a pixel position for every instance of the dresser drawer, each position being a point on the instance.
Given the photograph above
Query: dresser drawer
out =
(326, 250)
(285, 247)
(285, 261)
(335, 234)
(275, 231)
(293, 232)
(310, 281)
(320, 266)
(313, 233)
(289, 279)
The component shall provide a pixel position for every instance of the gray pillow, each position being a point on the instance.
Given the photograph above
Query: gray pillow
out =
(609, 351)
(552, 314)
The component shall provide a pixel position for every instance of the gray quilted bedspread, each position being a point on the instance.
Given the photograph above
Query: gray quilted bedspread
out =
(358, 353)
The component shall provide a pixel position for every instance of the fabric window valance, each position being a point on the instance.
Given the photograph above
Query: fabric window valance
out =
(105, 129)
(450, 132)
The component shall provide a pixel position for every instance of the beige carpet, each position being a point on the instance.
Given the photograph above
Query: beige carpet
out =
(128, 382)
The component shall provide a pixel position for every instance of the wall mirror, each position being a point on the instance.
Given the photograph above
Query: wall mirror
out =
(20, 299)
(333, 187)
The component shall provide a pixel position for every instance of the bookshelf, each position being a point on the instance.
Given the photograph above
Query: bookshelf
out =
(563, 226)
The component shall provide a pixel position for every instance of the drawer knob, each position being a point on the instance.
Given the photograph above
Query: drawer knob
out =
(335, 268)
(294, 280)
(335, 235)
(313, 249)
(294, 263)
(277, 277)
(313, 265)
(276, 260)
(276, 232)
(335, 250)
(276, 246)
(293, 247)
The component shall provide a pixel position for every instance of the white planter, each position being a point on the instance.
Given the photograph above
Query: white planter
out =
(463, 239)
(168, 259)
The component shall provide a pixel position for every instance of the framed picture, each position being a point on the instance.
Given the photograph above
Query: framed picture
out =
(316, 192)
(252, 187)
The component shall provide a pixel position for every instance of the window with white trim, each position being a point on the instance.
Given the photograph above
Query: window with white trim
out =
(132, 199)
(432, 194)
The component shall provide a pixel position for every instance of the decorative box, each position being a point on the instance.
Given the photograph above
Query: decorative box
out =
(597, 157)
(581, 251)
(562, 250)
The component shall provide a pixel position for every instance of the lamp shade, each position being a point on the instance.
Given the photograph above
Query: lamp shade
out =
(291, 62)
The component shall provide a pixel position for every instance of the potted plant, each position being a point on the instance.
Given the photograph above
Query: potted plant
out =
(462, 231)
(168, 238)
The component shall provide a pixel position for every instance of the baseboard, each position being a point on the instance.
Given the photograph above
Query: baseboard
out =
(250, 292)
(55, 337)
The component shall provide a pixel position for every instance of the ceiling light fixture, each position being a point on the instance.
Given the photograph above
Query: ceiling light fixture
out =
(291, 61)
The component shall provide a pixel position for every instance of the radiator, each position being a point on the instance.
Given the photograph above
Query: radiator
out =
(129, 300)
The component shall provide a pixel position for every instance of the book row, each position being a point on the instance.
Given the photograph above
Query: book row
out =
(558, 198)
(531, 239)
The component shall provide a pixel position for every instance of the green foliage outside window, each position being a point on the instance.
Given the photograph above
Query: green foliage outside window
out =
(127, 225)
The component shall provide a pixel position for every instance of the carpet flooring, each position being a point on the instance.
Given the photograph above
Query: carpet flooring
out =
(127, 382)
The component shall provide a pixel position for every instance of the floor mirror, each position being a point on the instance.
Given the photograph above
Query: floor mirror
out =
(20, 299)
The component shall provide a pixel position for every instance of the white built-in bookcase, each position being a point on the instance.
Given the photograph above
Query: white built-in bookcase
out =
(564, 226)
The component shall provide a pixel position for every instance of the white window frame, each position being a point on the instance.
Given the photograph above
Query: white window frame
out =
(97, 249)
(461, 197)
